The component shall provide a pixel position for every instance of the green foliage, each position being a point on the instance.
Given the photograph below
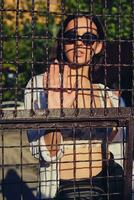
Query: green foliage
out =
(116, 15)
(35, 39)
(28, 52)
(76, 5)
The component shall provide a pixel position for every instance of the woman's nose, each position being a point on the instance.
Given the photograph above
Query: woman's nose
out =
(79, 42)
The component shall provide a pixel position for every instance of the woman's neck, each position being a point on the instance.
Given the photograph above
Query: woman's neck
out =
(80, 74)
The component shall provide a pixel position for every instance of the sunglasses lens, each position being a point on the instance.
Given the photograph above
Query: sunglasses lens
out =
(89, 38)
(69, 37)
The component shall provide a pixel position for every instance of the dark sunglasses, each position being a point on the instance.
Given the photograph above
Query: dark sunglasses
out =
(88, 38)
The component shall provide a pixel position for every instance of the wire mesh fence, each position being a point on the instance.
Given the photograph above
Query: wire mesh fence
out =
(66, 99)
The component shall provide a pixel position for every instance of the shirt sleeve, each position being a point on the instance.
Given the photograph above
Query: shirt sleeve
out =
(34, 95)
(35, 99)
(39, 150)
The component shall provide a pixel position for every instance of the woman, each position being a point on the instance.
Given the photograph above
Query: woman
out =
(71, 165)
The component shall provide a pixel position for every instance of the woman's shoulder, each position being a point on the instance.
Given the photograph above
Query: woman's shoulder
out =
(35, 81)
(100, 86)
(112, 95)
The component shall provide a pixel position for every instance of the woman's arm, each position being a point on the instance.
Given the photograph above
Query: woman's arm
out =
(53, 142)
(53, 82)
(113, 134)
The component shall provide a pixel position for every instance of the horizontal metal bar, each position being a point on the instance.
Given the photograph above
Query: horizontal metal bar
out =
(56, 125)
(43, 11)
(55, 119)
(62, 114)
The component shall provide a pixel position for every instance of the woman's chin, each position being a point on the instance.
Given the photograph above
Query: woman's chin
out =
(79, 62)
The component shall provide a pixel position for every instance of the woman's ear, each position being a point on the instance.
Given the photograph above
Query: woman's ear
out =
(99, 47)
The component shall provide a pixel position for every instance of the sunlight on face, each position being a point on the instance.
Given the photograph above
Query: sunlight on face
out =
(78, 51)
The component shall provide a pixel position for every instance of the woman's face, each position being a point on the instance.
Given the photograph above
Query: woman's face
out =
(79, 49)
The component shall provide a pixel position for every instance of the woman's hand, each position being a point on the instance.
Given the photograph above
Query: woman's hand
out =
(56, 91)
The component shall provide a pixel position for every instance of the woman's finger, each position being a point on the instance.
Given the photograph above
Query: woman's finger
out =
(56, 75)
(51, 76)
(65, 77)
(45, 79)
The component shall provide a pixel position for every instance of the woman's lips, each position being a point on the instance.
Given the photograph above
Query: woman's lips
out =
(79, 53)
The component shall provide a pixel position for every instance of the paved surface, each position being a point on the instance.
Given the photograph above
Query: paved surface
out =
(19, 180)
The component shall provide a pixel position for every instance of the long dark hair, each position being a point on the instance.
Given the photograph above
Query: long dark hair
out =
(97, 58)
